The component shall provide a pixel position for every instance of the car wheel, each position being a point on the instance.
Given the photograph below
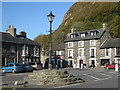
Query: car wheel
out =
(13, 71)
(3, 71)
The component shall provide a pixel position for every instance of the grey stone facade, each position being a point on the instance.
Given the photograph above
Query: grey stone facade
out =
(88, 54)
(18, 48)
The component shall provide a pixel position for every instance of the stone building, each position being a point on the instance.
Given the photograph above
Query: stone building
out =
(83, 48)
(59, 50)
(111, 50)
(18, 48)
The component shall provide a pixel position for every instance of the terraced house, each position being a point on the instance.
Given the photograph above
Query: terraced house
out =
(112, 50)
(83, 48)
(18, 48)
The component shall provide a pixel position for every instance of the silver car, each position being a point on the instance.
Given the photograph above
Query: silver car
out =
(36, 65)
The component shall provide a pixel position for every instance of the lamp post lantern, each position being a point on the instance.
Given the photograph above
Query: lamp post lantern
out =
(50, 18)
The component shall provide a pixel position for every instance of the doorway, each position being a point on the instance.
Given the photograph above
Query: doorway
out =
(80, 62)
(105, 61)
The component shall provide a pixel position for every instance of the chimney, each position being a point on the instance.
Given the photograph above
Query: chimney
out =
(23, 34)
(105, 27)
(11, 30)
(73, 30)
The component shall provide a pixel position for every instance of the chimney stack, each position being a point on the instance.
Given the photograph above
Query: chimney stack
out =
(105, 26)
(23, 34)
(73, 30)
(11, 30)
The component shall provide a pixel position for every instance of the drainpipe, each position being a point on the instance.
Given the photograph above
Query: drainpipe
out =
(116, 65)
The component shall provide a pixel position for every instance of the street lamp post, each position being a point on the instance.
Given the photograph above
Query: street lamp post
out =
(50, 18)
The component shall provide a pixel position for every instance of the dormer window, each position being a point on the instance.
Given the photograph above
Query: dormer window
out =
(82, 34)
(73, 35)
(93, 33)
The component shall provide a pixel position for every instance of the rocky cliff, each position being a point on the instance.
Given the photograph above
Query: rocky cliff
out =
(85, 16)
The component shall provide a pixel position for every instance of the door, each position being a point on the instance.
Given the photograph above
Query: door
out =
(11, 67)
(70, 63)
(6, 68)
(93, 63)
(80, 62)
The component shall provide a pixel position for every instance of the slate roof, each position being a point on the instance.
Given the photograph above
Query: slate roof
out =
(6, 37)
(60, 46)
(111, 43)
(88, 36)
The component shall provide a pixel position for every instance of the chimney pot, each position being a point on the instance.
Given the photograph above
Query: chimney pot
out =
(11, 26)
(105, 27)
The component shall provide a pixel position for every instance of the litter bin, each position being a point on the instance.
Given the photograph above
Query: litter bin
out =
(56, 67)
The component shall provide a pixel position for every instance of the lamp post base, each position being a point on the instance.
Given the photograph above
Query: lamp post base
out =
(50, 66)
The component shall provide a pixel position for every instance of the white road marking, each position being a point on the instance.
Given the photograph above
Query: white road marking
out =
(67, 85)
(105, 78)
(92, 77)
(105, 74)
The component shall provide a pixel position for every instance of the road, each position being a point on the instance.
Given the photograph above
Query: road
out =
(94, 78)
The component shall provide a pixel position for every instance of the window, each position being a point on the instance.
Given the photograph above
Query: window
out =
(117, 51)
(93, 33)
(72, 36)
(81, 52)
(37, 52)
(107, 52)
(26, 48)
(12, 49)
(6, 65)
(82, 34)
(92, 42)
(70, 53)
(93, 52)
(70, 44)
(81, 44)
(23, 50)
(11, 65)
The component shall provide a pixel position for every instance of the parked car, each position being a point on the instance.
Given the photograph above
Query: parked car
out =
(111, 66)
(12, 67)
(27, 67)
(36, 65)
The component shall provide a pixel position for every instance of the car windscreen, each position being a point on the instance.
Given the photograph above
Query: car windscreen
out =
(17, 64)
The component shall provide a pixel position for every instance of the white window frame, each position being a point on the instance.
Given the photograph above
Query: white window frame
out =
(94, 51)
(82, 54)
(26, 50)
(81, 44)
(82, 34)
(69, 54)
(37, 52)
(92, 42)
(71, 44)
(93, 33)
(12, 49)
(23, 50)
(109, 52)
(116, 52)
